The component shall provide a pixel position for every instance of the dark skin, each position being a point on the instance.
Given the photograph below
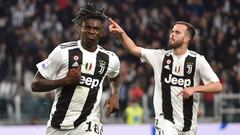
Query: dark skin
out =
(40, 84)
(91, 31)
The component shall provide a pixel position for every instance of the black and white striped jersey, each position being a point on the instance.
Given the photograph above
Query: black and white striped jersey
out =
(76, 104)
(173, 73)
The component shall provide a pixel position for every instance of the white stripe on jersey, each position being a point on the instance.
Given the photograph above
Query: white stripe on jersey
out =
(76, 105)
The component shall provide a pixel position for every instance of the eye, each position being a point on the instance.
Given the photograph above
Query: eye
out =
(96, 28)
(87, 27)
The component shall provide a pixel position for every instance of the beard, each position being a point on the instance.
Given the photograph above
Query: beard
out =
(174, 45)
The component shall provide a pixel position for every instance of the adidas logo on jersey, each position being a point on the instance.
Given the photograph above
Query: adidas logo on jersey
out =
(167, 67)
(89, 82)
(177, 81)
(75, 64)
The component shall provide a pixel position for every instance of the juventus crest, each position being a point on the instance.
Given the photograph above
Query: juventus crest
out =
(189, 67)
(102, 66)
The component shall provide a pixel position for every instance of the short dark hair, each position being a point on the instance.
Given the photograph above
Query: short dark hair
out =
(190, 28)
(90, 11)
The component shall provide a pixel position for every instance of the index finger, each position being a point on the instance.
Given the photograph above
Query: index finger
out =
(113, 22)
(109, 111)
(106, 103)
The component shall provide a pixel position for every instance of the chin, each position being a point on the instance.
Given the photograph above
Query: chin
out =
(170, 45)
(92, 42)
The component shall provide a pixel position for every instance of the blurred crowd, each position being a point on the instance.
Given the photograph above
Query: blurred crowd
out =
(31, 29)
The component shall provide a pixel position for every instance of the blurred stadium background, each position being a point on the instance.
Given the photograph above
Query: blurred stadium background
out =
(31, 29)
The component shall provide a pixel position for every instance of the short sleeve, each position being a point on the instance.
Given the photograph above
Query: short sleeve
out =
(206, 72)
(50, 66)
(114, 65)
(151, 55)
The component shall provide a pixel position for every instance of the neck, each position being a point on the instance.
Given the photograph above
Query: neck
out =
(180, 51)
(89, 46)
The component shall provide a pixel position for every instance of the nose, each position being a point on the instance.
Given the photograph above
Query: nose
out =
(91, 31)
(172, 35)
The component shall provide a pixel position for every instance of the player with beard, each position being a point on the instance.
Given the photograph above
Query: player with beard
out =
(177, 74)
(76, 71)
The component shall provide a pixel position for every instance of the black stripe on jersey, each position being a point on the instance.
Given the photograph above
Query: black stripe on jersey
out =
(75, 55)
(166, 88)
(102, 65)
(68, 44)
(62, 106)
(189, 70)
(102, 62)
(75, 58)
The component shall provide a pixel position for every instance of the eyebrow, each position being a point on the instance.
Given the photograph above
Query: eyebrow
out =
(177, 31)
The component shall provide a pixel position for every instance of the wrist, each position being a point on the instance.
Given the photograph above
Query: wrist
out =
(115, 93)
(121, 34)
(196, 89)
(65, 81)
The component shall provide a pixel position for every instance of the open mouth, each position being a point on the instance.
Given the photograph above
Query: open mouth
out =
(91, 37)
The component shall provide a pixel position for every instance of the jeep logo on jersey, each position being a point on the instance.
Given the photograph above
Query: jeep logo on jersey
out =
(89, 82)
(177, 81)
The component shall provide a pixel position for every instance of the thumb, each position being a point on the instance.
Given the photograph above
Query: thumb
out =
(111, 28)
(180, 93)
(79, 68)
(106, 104)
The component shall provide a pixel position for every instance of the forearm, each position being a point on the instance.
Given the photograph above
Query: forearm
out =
(43, 85)
(129, 44)
(209, 88)
(115, 85)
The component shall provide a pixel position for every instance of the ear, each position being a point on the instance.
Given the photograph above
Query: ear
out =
(187, 39)
(102, 33)
(78, 30)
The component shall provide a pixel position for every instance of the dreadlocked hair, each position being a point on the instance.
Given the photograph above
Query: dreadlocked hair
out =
(90, 11)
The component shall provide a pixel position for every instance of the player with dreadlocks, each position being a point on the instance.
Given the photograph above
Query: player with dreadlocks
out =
(76, 71)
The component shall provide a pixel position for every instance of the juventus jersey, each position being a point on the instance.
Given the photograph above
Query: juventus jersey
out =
(173, 73)
(76, 104)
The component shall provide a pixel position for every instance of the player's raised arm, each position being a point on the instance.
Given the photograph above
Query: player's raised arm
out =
(123, 37)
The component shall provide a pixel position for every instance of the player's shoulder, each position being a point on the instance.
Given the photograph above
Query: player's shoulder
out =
(109, 53)
(167, 52)
(198, 56)
(153, 52)
(194, 54)
(68, 45)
